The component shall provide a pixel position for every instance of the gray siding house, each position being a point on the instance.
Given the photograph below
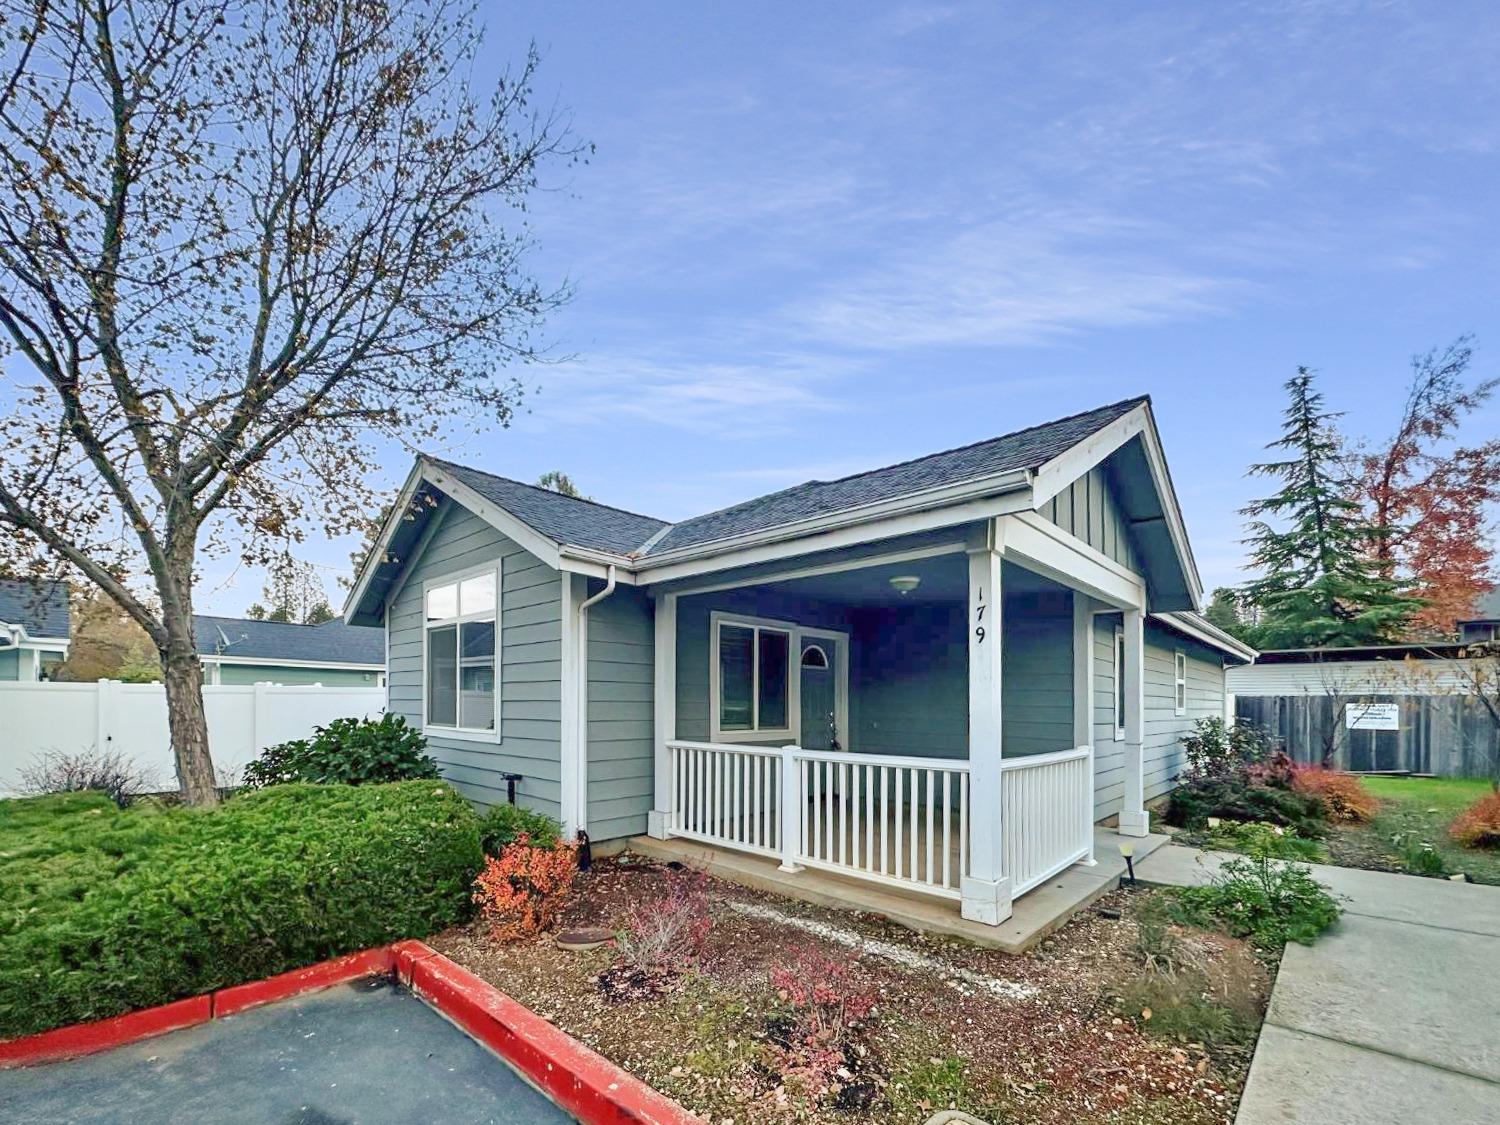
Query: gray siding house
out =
(937, 676)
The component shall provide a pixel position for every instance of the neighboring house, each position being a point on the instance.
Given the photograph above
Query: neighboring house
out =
(1485, 624)
(937, 675)
(239, 650)
(34, 628)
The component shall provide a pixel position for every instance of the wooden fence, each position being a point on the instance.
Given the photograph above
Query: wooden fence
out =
(1446, 735)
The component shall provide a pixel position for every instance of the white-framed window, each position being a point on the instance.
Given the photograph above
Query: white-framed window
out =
(1119, 683)
(750, 667)
(1179, 697)
(460, 651)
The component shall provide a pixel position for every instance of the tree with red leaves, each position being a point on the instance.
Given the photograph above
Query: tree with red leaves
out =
(1433, 493)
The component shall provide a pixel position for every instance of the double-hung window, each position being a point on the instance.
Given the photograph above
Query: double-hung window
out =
(461, 628)
(752, 673)
(1179, 697)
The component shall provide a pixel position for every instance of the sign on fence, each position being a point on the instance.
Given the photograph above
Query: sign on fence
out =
(39, 718)
(1372, 716)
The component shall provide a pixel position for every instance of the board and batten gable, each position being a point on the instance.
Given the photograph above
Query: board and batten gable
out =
(1088, 510)
(530, 663)
(1162, 753)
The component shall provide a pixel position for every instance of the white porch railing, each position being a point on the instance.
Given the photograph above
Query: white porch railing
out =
(1046, 814)
(901, 821)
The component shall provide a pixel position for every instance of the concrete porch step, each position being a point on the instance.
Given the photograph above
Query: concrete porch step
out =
(1036, 914)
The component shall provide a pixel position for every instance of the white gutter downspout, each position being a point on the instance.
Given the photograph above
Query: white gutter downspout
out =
(581, 695)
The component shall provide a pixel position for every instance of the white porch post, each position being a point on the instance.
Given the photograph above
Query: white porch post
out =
(985, 887)
(659, 821)
(1134, 820)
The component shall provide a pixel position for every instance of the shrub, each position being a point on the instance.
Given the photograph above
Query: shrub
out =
(346, 752)
(110, 773)
(824, 1005)
(1268, 902)
(521, 892)
(1419, 856)
(1478, 826)
(502, 825)
(664, 935)
(1187, 1007)
(1257, 838)
(1238, 798)
(1216, 749)
(103, 911)
(1343, 795)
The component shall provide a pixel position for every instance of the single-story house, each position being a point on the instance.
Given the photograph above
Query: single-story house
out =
(937, 675)
(242, 650)
(1484, 625)
(35, 626)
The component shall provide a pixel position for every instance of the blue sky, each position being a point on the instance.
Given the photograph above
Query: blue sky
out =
(821, 238)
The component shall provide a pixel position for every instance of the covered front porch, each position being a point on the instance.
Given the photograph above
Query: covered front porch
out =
(915, 720)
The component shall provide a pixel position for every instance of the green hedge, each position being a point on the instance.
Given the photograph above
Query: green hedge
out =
(103, 911)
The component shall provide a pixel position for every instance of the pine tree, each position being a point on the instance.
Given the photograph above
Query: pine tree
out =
(1320, 584)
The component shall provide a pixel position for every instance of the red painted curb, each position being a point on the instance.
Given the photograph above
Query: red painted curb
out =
(325, 974)
(101, 1035)
(581, 1081)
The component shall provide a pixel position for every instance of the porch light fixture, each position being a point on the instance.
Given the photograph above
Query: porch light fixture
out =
(905, 583)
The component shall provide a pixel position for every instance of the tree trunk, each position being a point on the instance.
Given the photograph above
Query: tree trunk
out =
(182, 676)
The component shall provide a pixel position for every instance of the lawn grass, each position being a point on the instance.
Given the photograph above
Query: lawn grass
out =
(1415, 810)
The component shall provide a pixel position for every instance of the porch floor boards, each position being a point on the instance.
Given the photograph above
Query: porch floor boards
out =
(1036, 914)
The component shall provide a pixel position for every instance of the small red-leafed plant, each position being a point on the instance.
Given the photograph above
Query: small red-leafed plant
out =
(522, 891)
(665, 934)
(1343, 795)
(1478, 826)
(826, 1006)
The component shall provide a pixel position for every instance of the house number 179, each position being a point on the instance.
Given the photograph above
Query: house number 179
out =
(979, 608)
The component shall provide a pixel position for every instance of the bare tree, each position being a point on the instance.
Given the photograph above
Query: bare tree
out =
(239, 241)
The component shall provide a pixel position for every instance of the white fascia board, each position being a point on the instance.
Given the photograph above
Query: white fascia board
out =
(370, 564)
(1060, 472)
(925, 512)
(532, 540)
(223, 658)
(596, 564)
(1042, 546)
(1208, 634)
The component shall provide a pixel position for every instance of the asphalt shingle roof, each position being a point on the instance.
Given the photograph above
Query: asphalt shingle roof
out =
(41, 608)
(332, 642)
(583, 523)
(563, 519)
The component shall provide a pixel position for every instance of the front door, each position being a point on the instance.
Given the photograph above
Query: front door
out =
(821, 660)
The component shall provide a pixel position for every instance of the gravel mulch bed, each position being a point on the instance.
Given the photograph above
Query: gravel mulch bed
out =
(1036, 1038)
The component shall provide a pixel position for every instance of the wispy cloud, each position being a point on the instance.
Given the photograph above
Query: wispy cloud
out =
(1016, 282)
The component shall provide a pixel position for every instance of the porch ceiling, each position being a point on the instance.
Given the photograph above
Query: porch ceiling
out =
(944, 579)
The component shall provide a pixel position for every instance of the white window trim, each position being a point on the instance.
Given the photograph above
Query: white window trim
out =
(1114, 703)
(1179, 683)
(463, 734)
(798, 634)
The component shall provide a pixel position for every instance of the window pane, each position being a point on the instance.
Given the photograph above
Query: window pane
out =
(442, 602)
(477, 594)
(476, 694)
(1120, 683)
(736, 650)
(773, 679)
(442, 676)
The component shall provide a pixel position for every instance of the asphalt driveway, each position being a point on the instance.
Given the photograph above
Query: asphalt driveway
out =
(1393, 1016)
(366, 1052)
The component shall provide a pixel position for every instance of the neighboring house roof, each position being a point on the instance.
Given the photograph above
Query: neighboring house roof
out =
(332, 642)
(1486, 608)
(1415, 650)
(563, 519)
(38, 607)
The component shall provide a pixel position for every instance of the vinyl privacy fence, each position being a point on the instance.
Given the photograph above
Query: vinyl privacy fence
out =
(131, 719)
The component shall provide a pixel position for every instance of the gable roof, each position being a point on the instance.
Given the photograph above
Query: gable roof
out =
(578, 535)
(1024, 449)
(332, 642)
(1486, 607)
(563, 519)
(39, 607)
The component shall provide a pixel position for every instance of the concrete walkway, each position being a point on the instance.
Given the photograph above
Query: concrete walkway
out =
(1393, 1016)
